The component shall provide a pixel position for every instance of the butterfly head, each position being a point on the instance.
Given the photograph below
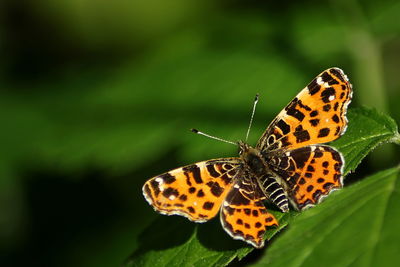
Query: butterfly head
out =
(251, 157)
(243, 147)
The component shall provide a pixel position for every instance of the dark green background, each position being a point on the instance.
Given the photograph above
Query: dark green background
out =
(99, 96)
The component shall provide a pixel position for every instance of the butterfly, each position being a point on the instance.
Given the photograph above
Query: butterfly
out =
(288, 166)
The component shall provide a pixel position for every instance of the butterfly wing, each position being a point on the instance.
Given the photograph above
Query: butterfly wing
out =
(310, 173)
(316, 115)
(195, 191)
(243, 214)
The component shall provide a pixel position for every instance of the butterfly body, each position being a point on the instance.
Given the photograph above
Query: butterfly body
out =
(256, 166)
(252, 159)
(289, 164)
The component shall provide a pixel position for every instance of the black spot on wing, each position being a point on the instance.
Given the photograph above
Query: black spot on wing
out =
(314, 122)
(308, 174)
(247, 211)
(317, 194)
(285, 128)
(155, 186)
(227, 225)
(227, 166)
(238, 233)
(188, 182)
(277, 135)
(313, 87)
(168, 178)
(271, 139)
(200, 193)
(211, 170)
(337, 74)
(301, 134)
(236, 198)
(216, 189)
(314, 113)
(328, 186)
(332, 82)
(301, 156)
(226, 178)
(268, 219)
(323, 132)
(292, 104)
(300, 103)
(192, 190)
(335, 155)
(295, 113)
(285, 141)
(195, 171)
(191, 209)
(337, 130)
(170, 192)
(326, 77)
(337, 167)
(318, 153)
(208, 205)
(229, 210)
(335, 118)
(328, 92)
(336, 106)
(260, 233)
(327, 107)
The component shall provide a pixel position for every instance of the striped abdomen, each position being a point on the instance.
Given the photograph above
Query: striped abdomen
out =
(274, 192)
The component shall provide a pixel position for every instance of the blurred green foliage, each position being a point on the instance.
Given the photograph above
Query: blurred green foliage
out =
(96, 97)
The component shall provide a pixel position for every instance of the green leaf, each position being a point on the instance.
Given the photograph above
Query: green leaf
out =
(367, 129)
(175, 241)
(357, 226)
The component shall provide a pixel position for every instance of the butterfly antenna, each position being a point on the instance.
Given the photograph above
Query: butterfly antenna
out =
(212, 137)
(252, 115)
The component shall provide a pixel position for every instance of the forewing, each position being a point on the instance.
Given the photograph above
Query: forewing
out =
(316, 115)
(195, 191)
(243, 214)
(310, 173)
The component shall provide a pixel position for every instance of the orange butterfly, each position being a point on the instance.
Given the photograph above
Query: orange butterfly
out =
(287, 166)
